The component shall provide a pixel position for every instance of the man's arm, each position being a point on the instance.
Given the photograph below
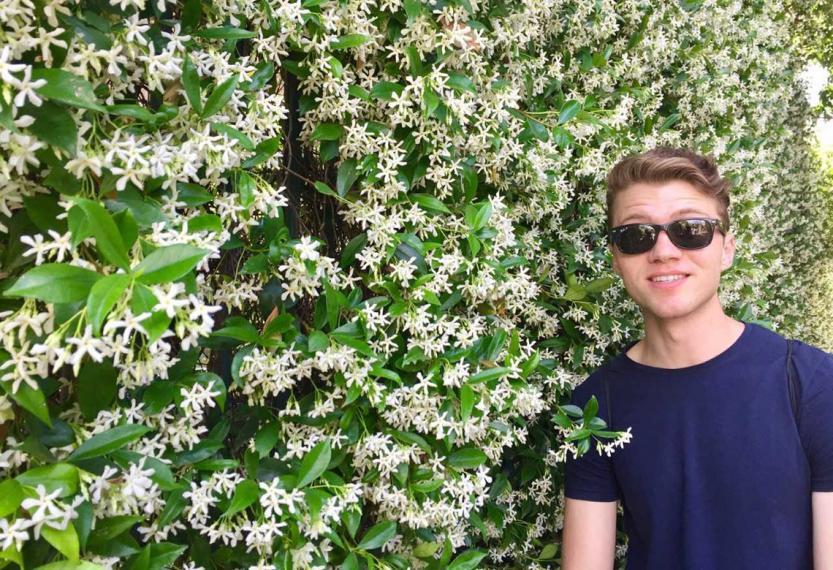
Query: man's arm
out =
(823, 531)
(589, 537)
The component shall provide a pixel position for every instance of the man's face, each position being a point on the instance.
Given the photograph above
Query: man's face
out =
(701, 268)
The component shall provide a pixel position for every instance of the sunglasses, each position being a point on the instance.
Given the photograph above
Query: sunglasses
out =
(688, 233)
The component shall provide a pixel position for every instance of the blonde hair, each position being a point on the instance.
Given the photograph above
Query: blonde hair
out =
(664, 164)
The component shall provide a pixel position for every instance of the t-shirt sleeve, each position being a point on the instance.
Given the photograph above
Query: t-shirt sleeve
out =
(590, 477)
(816, 417)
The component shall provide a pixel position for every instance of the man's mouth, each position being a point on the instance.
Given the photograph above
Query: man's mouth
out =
(668, 278)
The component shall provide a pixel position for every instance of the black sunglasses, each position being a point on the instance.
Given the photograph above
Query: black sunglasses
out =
(688, 233)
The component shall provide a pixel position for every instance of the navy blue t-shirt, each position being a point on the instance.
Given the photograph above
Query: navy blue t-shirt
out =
(716, 475)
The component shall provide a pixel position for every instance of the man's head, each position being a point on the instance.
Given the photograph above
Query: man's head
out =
(663, 164)
(658, 187)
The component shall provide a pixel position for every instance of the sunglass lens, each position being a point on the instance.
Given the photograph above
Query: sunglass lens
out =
(691, 234)
(637, 238)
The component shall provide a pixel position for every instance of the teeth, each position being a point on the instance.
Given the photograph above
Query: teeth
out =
(663, 278)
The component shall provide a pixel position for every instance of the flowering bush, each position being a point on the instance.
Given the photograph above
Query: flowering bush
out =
(308, 284)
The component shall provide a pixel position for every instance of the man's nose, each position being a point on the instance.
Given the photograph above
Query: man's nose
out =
(664, 248)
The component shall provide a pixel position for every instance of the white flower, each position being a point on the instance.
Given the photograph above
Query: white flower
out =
(26, 89)
(307, 248)
(15, 534)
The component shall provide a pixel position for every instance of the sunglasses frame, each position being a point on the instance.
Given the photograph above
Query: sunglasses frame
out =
(614, 233)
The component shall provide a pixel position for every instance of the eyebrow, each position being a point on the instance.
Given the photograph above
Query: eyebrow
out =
(674, 215)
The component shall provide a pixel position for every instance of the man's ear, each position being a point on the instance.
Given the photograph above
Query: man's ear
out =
(728, 255)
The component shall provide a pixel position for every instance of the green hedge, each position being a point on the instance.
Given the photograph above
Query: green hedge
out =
(288, 285)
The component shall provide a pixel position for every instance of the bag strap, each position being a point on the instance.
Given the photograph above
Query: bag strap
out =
(793, 384)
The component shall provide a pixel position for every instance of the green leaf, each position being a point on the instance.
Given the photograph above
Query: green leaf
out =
(63, 476)
(133, 111)
(590, 409)
(569, 111)
(65, 541)
(327, 132)
(245, 186)
(234, 134)
(426, 549)
(96, 387)
(107, 236)
(107, 441)
(168, 263)
(467, 560)
(318, 341)
(599, 285)
(54, 125)
(191, 84)
(246, 493)
(219, 97)
(467, 458)
(71, 565)
(351, 562)
(384, 90)
(488, 374)
(66, 87)
(349, 41)
(103, 297)
(429, 202)
(460, 83)
(266, 438)
(353, 247)
(466, 401)
(378, 535)
(324, 189)
(11, 495)
(225, 33)
(548, 552)
(33, 400)
(54, 283)
(347, 175)
(314, 464)
(265, 72)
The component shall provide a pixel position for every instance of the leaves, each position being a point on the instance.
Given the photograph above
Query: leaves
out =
(63, 476)
(219, 97)
(467, 458)
(11, 495)
(314, 464)
(108, 441)
(54, 283)
(245, 494)
(66, 87)
(168, 263)
(103, 297)
(378, 535)
(467, 560)
(349, 41)
(55, 125)
(224, 33)
(107, 236)
(327, 132)
(191, 84)
(65, 541)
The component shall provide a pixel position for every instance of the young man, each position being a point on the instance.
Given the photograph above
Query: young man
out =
(719, 474)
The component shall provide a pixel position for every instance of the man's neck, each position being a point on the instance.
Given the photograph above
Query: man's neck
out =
(686, 341)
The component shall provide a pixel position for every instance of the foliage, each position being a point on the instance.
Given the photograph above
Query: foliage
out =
(811, 22)
(297, 284)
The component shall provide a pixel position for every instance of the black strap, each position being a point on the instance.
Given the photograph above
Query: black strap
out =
(793, 384)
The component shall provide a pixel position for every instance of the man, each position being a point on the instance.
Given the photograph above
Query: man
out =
(719, 474)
